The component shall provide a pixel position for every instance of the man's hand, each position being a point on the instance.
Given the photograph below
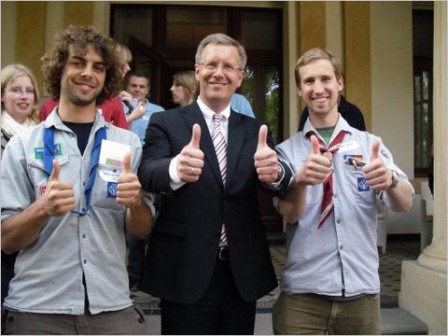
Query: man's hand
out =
(316, 168)
(59, 197)
(191, 159)
(129, 187)
(377, 174)
(265, 159)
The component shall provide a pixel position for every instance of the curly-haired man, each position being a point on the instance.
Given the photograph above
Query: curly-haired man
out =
(67, 197)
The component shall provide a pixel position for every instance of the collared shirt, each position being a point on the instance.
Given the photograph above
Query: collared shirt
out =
(240, 104)
(341, 257)
(49, 273)
(140, 125)
(208, 116)
(208, 113)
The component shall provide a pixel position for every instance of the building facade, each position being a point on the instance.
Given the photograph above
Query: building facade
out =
(374, 40)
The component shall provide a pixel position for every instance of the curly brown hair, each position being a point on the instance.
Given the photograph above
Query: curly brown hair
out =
(79, 37)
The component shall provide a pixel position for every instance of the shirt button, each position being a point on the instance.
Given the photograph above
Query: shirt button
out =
(83, 236)
(85, 261)
(83, 209)
(340, 247)
(338, 221)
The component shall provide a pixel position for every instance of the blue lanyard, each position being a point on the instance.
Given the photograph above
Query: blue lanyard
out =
(95, 157)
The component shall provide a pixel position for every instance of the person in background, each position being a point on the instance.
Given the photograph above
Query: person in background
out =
(20, 108)
(68, 192)
(112, 109)
(330, 283)
(208, 257)
(184, 92)
(185, 88)
(20, 101)
(138, 111)
(125, 58)
(240, 104)
(137, 107)
(350, 112)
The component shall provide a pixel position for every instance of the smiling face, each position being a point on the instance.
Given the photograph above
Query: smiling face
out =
(218, 75)
(138, 87)
(19, 97)
(320, 89)
(83, 77)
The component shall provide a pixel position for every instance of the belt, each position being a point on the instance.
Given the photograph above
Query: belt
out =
(223, 253)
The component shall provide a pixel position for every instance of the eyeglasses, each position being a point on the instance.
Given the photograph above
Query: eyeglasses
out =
(18, 91)
(227, 68)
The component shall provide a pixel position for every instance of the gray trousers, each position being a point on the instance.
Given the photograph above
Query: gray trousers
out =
(129, 321)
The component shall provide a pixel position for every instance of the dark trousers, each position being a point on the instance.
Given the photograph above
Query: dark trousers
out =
(136, 255)
(221, 311)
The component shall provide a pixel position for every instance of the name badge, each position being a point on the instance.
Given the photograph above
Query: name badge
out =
(348, 146)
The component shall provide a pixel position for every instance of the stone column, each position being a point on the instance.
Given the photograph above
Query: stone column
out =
(424, 282)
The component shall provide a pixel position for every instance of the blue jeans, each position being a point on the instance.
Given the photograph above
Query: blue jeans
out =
(314, 314)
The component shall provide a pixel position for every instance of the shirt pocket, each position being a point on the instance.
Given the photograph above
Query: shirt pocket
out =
(104, 194)
(39, 176)
(359, 189)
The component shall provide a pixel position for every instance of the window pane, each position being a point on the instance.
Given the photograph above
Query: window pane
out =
(261, 88)
(132, 21)
(425, 85)
(188, 25)
(260, 30)
(418, 88)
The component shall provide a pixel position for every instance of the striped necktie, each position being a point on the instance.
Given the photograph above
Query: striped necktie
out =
(327, 205)
(221, 153)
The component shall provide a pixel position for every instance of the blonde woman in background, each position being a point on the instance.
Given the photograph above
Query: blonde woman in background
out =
(185, 88)
(125, 57)
(20, 102)
(20, 108)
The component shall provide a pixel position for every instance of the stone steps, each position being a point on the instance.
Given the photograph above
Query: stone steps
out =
(397, 321)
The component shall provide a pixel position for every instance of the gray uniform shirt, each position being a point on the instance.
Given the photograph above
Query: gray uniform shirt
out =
(49, 273)
(341, 257)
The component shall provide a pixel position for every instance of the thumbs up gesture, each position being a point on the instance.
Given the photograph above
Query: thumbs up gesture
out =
(191, 158)
(59, 197)
(377, 174)
(265, 159)
(129, 187)
(316, 168)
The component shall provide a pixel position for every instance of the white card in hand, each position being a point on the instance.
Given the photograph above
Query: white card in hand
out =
(110, 165)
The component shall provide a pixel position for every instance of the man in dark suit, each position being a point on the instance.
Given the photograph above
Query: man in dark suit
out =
(209, 282)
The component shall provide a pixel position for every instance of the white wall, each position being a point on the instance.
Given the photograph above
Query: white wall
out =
(392, 88)
(404, 223)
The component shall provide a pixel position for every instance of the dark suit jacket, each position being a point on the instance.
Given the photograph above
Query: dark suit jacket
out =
(184, 241)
